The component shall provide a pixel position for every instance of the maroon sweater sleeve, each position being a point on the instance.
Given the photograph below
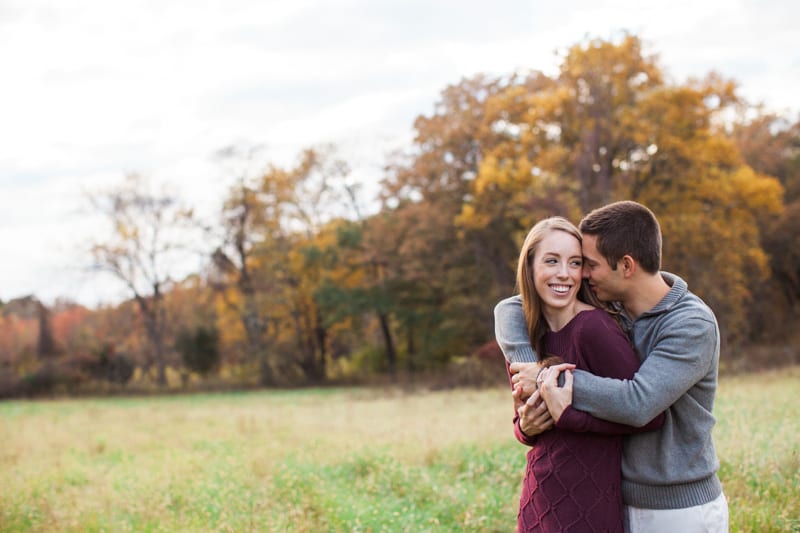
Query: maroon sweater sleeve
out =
(522, 437)
(606, 352)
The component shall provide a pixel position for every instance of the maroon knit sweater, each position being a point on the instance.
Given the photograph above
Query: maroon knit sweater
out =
(572, 479)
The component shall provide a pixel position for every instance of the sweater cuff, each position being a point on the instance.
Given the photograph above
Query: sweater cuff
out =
(570, 420)
(522, 354)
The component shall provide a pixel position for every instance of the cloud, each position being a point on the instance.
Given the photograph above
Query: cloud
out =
(94, 90)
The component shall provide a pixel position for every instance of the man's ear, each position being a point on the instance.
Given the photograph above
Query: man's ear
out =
(628, 266)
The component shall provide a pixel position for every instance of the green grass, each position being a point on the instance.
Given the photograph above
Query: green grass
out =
(336, 460)
(758, 443)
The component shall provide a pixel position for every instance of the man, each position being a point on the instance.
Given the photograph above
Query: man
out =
(669, 476)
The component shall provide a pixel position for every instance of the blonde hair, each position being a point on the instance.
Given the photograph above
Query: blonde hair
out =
(531, 301)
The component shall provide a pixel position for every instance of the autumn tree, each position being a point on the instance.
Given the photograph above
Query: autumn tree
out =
(145, 248)
(268, 218)
(712, 206)
(770, 144)
(18, 335)
(608, 128)
(439, 284)
(322, 191)
(428, 187)
(558, 141)
(241, 275)
(358, 281)
(72, 327)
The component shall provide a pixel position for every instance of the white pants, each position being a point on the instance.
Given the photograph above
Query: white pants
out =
(711, 517)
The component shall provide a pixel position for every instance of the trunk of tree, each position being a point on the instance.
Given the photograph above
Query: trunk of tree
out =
(391, 353)
(266, 377)
(306, 336)
(46, 345)
(411, 349)
(154, 337)
(256, 347)
(162, 367)
(153, 323)
(254, 325)
(322, 338)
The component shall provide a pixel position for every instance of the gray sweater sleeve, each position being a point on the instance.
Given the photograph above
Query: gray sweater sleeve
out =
(680, 354)
(511, 331)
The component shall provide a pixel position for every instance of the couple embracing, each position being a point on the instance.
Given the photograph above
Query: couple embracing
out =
(623, 441)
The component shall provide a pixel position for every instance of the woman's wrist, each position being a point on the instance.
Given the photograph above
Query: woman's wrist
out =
(538, 375)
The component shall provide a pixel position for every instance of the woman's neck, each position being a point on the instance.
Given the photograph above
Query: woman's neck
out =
(557, 318)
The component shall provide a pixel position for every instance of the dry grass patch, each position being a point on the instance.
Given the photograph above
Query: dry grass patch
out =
(335, 460)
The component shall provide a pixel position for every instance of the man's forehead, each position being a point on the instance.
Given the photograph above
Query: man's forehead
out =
(591, 257)
(589, 248)
(590, 241)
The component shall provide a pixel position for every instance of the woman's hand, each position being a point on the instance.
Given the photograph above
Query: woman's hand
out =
(556, 398)
(534, 417)
(524, 375)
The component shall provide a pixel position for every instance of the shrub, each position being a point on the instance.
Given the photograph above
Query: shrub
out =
(199, 349)
(119, 369)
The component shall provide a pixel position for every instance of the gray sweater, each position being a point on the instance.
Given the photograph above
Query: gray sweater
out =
(678, 341)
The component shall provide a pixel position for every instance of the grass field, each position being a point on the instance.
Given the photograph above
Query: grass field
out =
(336, 460)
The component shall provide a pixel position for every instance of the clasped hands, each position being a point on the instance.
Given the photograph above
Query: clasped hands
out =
(538, 399)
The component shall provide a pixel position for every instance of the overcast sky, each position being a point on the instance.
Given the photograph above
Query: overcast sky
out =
(92, 90)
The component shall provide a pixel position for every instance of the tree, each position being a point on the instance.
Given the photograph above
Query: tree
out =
(771, 145)
(321, 192)
(199, 349)
(237, 268)
(111, 366)
(145, 249)
(711, 205)
(361, 283)
(259, 271)
(18, 342)
(46, 344)
(609, 128)
(431, 190)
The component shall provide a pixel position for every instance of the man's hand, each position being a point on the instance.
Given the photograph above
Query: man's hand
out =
(523, 376)
(533, 416)
(556, 398)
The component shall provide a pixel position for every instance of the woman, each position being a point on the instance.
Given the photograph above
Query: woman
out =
(572, 479)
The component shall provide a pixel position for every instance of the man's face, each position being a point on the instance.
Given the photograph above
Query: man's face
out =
(603, 280)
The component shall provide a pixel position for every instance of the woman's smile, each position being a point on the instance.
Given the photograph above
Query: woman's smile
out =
(561, 288)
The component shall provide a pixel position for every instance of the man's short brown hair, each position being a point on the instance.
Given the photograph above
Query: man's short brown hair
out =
(626, 228)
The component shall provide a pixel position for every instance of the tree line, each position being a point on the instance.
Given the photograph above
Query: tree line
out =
(304, 283)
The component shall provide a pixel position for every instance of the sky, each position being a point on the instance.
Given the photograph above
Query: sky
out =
(93, 90)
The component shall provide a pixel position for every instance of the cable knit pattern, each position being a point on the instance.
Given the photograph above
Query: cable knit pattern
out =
(572, 483)
(572, 479)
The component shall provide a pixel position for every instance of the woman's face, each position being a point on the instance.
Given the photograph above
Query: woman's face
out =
(557, 269)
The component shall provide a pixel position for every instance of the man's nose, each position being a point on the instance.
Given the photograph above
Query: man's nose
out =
(586, 274)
